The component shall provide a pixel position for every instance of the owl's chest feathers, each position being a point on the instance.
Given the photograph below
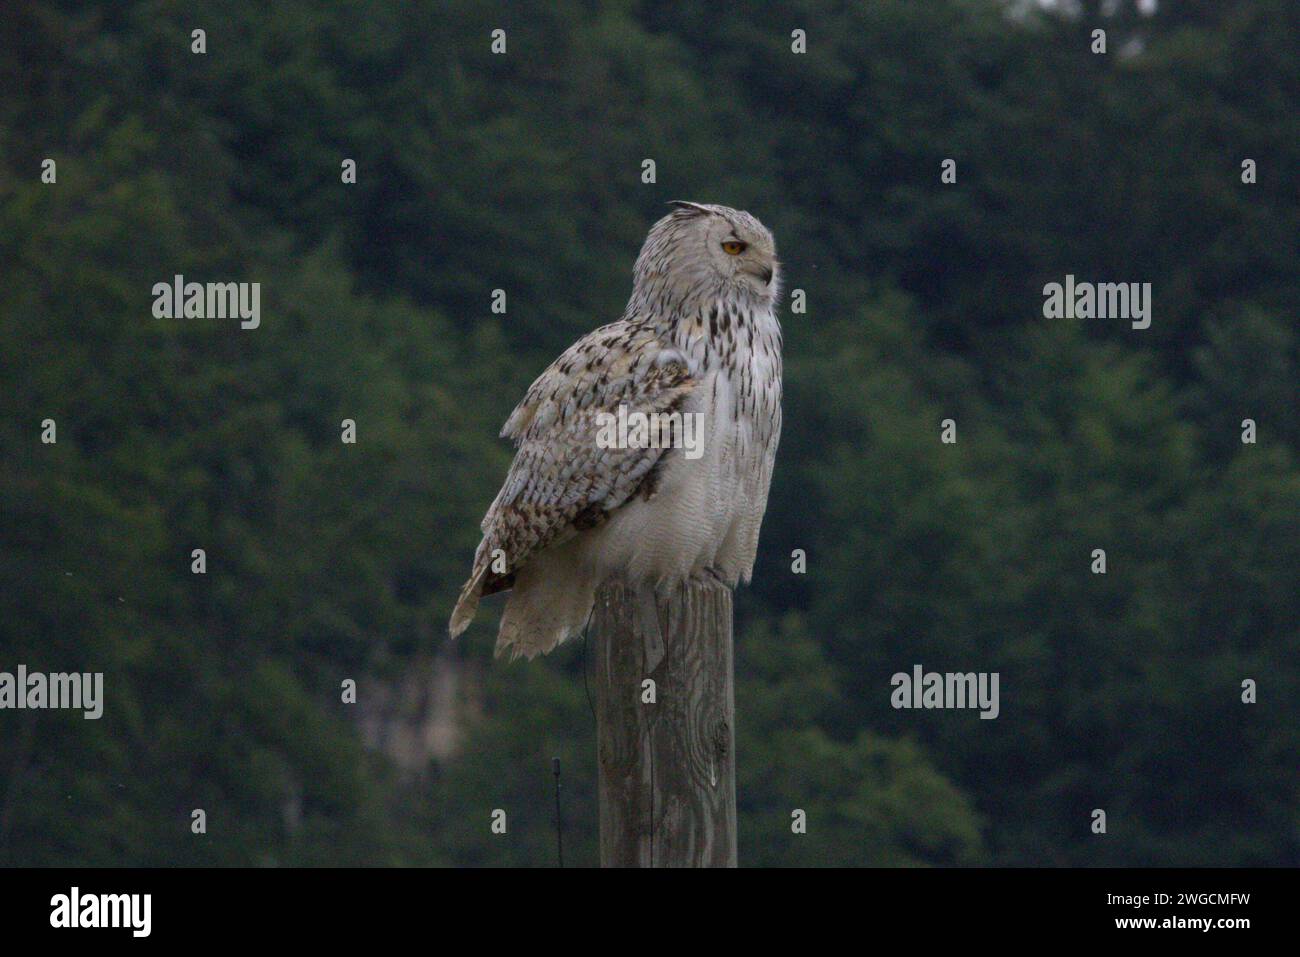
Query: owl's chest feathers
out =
(705, 503)
(735, 354)
(701, 504)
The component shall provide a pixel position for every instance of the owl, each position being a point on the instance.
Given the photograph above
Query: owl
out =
(646, 449)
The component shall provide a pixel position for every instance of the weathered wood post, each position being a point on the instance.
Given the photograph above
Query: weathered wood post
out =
(667, 771)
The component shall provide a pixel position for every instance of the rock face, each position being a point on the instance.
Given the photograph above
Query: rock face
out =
(419, 716)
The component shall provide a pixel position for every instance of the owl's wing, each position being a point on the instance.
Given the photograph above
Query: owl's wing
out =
(562, 481)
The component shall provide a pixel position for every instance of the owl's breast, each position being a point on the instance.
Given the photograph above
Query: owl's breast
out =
(712, 489)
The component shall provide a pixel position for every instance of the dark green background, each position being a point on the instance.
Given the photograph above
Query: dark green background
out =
(522, 172)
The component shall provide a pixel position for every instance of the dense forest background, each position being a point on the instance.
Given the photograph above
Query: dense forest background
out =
(522, 171)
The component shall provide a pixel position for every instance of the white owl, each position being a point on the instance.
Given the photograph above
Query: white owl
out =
(699, 337)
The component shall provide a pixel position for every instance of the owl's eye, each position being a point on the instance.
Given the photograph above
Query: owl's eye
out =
(734, 248)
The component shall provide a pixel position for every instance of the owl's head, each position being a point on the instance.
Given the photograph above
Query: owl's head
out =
(705, 250)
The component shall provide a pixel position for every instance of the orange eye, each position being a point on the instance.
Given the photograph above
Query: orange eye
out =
(734, 248)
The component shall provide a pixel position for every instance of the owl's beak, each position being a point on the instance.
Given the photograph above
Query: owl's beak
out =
(767, 275)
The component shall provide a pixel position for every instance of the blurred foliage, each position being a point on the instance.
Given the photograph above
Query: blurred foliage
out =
(522, 172)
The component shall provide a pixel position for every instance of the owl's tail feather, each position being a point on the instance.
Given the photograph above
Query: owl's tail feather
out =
(467, 603)
(546, 607)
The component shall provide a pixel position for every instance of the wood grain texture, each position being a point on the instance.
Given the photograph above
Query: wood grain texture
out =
(667, 775)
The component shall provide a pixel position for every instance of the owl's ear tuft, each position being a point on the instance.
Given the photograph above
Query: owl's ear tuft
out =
(690, 208)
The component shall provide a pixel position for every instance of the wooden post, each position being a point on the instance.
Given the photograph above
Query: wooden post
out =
(667, 770)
